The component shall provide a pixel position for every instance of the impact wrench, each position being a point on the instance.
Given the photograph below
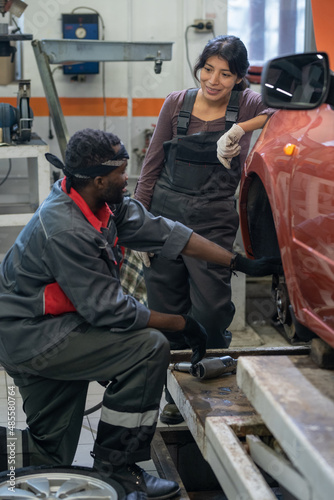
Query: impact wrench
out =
(208, 367)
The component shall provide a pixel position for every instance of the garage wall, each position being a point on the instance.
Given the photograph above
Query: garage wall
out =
(133, 90)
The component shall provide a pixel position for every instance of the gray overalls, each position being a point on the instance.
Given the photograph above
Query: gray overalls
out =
(197, 190)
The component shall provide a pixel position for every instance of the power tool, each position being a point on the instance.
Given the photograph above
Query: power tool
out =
(208, 367)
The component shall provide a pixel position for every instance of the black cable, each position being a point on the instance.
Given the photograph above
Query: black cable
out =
(93, 409)
(18, 29)
(187, 52)
(210, 29)
(9, 170)
(199, 26)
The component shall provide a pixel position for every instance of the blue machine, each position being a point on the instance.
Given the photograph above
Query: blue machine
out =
(81, 26)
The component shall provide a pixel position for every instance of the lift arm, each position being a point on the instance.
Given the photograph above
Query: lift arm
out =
(68, 51)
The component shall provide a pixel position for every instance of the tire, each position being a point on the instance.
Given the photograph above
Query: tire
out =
(58, 482)
(294, 331)
(261, 227)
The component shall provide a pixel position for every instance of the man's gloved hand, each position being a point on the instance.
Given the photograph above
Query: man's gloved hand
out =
(195, 336)
(144, 257)
(228, 145)
(257, 267)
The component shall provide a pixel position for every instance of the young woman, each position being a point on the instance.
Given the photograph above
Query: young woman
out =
(182, 179)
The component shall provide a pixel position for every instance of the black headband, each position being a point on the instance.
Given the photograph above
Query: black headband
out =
(94, 170)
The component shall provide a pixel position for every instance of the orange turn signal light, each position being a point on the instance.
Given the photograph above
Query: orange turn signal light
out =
(290, 149)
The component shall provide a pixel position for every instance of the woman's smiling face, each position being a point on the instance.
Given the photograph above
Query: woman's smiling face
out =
(216, 79)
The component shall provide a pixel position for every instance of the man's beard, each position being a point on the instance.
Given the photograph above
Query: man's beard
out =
(114, 195)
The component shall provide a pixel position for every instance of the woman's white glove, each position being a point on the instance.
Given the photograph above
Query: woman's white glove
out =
(144, 257)
(228, 145)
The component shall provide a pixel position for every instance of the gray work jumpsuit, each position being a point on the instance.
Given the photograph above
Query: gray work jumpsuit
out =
(196, 189)
(64, 321)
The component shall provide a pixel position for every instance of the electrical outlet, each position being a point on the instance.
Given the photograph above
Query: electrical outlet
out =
(203, 25)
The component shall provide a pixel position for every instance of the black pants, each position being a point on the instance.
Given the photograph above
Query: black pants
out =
(191, 286)
(54, 385)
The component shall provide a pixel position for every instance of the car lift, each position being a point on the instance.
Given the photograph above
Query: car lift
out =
(68, 51)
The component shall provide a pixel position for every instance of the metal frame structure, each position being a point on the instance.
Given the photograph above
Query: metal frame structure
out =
(68, 51)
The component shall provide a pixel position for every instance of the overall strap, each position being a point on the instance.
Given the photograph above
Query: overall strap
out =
(183, 119)
(232, 110)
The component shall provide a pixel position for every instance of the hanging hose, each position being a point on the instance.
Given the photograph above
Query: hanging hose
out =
(8, 172)
(104, 383)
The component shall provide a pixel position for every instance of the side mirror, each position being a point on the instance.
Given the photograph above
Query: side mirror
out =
(299, 81)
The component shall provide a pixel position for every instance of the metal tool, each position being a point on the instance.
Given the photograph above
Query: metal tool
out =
(208, 367)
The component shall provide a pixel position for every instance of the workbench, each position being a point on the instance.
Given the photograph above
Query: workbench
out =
(39, 180)
(277, 397)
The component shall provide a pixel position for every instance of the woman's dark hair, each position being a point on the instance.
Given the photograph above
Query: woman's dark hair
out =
(230, 48)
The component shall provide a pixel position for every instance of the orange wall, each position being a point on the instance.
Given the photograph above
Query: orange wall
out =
(323, 17)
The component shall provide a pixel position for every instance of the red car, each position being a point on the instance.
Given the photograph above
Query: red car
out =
(287, 193)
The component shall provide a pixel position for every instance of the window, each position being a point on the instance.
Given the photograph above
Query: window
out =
(268, 28)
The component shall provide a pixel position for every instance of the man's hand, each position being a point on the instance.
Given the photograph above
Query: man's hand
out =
(195, 336)
(228, 145)
(183, 327)
(258, 267)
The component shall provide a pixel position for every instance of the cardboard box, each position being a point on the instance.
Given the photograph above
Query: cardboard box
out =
(7, 70)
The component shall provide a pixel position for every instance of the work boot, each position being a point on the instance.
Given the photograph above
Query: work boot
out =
(170, 415)
(134, 479)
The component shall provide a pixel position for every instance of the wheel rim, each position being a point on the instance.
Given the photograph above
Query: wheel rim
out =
(58, 485)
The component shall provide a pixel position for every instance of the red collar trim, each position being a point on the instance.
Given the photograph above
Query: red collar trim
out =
(97, 221)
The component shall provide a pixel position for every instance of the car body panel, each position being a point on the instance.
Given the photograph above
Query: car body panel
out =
(299, 184)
